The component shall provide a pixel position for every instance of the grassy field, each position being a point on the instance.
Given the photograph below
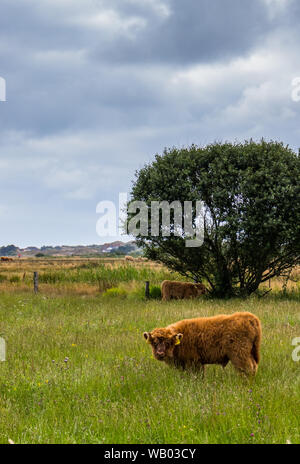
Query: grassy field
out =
(79, 276)
(79, 371)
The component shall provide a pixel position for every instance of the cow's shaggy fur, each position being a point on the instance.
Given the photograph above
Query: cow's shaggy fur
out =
(181, 290)
(210, 340)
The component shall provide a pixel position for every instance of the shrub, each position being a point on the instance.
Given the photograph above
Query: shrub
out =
(115, 292)
(155, 292)
(14, 279)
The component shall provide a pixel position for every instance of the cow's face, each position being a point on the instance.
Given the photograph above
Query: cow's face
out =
(163, 343)
(201, 290)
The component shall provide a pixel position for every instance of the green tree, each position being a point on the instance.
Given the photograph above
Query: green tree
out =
(251, 196)
(9, 250)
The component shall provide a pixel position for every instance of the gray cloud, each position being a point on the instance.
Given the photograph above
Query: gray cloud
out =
(96, 88)
(193, 32)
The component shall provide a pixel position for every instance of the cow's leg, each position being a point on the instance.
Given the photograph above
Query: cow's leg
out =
(197, 366)
(180, 364)
(225, 362)
(200, 367)
(254, 365)
(203, 370)
(243, 362)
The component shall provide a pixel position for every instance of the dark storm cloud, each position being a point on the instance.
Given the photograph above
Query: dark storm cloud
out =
(75, 64)
(193, 32)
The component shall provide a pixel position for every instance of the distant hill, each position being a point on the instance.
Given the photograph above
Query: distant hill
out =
(9, 250)
(116, 247)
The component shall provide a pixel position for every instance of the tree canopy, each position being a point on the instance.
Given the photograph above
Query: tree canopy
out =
(251, 197)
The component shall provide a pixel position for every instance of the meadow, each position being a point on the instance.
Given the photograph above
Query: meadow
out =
(79, 371)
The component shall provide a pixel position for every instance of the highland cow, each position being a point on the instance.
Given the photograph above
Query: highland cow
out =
(181, 290)
(209, 340)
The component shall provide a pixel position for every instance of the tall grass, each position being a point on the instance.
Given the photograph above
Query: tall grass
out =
(79, 371)
(104, 275)
(91, 276)
(79, 276)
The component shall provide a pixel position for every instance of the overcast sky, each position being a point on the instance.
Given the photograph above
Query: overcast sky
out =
(96, 87)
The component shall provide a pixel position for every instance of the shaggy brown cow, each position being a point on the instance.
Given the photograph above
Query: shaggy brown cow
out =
(209, 340)
(4, 258)
(181, 290)
(129, 258)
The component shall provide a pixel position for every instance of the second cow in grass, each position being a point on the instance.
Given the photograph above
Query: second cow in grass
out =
(181, 290)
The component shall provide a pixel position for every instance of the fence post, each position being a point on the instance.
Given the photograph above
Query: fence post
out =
(36, 281)
(147, 289)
